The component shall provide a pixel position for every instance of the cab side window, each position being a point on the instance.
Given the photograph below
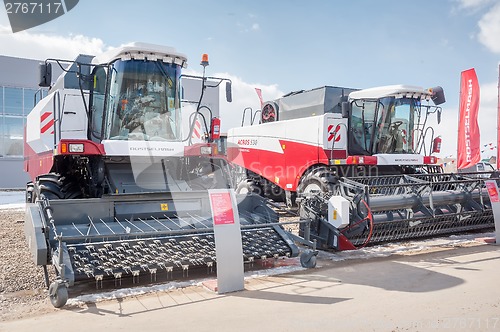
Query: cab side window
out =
(98, 99)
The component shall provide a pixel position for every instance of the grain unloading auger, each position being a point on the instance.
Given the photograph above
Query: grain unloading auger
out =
(121, 164)
(368, 210)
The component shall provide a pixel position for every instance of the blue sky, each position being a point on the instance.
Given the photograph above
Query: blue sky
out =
(282, 46)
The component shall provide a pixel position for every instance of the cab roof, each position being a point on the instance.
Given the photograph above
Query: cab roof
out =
(392, 91)
(142, 51)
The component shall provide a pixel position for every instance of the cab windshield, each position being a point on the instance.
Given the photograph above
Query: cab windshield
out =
(382, 126)
(144, 101)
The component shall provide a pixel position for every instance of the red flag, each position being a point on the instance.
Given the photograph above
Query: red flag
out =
(469, 151)
(498, 121)
(259, 93)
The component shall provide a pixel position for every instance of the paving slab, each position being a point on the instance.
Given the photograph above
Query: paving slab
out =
(451, 289)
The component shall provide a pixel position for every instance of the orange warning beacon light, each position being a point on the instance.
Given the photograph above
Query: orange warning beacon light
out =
(204, 60)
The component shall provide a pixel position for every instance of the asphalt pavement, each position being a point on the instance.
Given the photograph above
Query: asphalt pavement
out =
(446, 289)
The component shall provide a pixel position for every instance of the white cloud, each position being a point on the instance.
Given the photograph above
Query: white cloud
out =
(472, 4)
(244, 95)
(41, 46)
(489, 26)
(245, 28)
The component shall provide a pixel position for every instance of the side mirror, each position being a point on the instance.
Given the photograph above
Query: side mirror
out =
(438, 95)
(229, 95)
(345, 109)
(45, 75)
(439, 116)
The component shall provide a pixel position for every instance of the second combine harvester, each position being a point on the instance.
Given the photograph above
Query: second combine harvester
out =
(359, 164)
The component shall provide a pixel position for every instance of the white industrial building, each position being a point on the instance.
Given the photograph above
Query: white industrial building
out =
(18, 85)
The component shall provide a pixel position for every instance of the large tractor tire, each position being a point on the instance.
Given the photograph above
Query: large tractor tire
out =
(71, 190)
(319, 179)
(275, 193)
(53, 186)
(30, 189)
(247, 186)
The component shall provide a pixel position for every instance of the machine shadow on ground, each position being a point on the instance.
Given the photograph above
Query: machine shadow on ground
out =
(403, 273)
(400, 273)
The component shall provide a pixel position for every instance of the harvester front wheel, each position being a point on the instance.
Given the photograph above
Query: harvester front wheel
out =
(30, 188)
(53, 186)
(48, 186)
(58, 294)
(319, 179)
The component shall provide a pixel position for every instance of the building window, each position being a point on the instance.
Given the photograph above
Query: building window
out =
(1, 102)
(13, 101)
(29, 99)
(13, 136)
(1, 137)
(15, 105)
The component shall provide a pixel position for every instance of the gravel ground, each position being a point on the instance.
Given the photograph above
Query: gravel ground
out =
(22, 285)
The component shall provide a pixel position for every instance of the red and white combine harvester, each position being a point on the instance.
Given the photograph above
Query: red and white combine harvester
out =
(359, 164)
(119, 185)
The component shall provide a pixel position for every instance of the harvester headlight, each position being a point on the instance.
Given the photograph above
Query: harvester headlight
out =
(76, 148)
(206, 150)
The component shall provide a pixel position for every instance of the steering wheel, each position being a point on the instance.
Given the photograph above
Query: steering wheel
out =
(396, 124)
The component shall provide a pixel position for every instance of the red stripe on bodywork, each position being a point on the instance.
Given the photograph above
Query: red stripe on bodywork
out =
(45, 116)
(48, 126)
(287, 166)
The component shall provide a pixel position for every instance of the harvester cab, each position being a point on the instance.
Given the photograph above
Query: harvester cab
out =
(121, 171)
(115, 121)
(389, 123)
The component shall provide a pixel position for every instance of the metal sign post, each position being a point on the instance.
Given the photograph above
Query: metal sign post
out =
(491, 186)
(228, 246)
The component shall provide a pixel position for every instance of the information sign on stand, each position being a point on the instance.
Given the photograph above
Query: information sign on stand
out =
(491, 186)
(228, 245)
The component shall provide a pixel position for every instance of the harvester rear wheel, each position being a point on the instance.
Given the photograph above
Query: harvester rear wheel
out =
(248, 186)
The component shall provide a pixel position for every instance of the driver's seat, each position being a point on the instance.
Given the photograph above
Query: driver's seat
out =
(401, 136)
(395, 140)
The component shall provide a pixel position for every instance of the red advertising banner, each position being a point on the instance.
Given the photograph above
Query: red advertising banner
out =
(469, 146)
(222, 208)
(498, 121)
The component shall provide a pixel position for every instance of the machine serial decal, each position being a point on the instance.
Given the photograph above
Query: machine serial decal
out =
(248, 142)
